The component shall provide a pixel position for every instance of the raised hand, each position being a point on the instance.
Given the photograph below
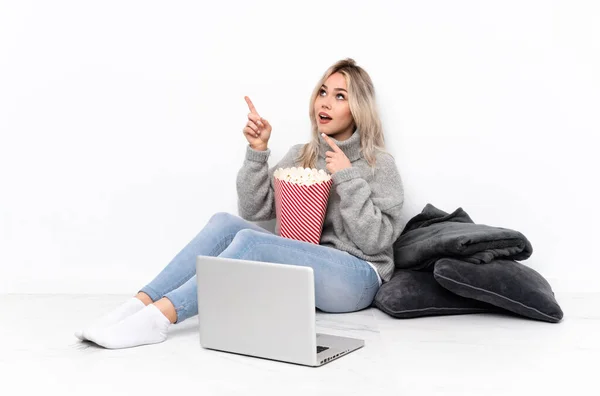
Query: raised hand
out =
(335, 160)
(257, 129)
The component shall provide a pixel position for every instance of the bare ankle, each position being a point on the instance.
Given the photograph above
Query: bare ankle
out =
(166, 307)
(143, 297)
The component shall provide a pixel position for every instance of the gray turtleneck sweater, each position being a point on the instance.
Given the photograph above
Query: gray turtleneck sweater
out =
(363, 212)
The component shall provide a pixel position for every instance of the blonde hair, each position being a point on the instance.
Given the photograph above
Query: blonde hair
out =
(361, 98)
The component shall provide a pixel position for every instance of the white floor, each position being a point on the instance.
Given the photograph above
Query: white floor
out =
(453, 355)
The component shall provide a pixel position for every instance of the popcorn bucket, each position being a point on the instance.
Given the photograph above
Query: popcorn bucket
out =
(301, 196)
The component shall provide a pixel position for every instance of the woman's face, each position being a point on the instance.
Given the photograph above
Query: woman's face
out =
(333, 100)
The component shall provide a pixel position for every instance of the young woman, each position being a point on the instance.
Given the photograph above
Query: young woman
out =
(361, 224)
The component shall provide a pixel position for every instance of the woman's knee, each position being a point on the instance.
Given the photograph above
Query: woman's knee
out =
(222, 217)
(248, 235)
(226, 222)
(245, 237)
(248, 244)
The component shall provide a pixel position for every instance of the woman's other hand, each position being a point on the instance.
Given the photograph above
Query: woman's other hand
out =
(257, 130)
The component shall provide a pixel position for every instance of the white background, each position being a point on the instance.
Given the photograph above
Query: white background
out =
(121, 122)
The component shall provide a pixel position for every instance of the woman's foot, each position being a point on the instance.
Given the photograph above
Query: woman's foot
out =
(126, 309)
(147, 326)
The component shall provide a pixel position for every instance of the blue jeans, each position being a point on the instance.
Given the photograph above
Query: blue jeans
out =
(343, 282)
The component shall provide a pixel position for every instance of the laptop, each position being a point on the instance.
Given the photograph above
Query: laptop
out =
(265, 310)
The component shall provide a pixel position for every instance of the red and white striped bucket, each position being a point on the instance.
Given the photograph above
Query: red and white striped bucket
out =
(301, 209)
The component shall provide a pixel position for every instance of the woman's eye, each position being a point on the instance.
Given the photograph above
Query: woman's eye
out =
(342, 95)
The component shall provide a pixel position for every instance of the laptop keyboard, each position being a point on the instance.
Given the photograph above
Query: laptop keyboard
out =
(321, 349)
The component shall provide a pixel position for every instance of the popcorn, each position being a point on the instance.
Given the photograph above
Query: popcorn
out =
(302, 176)
(301, 197)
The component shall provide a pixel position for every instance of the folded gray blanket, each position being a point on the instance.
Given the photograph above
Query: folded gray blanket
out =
(435, 234)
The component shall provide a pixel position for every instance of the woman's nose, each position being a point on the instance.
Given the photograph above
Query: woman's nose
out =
(324, 102)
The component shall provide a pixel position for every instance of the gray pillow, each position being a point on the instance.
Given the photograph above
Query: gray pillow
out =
(411, 294)
(504, 283)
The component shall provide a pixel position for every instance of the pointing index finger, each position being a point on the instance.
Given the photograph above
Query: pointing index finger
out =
(331, 143)
(250, 105)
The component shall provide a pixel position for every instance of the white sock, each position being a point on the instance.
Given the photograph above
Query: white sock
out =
(148, 326)
(129, 307)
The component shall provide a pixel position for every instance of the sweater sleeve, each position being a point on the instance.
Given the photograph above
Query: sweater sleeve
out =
(255, 186)
(371, 213)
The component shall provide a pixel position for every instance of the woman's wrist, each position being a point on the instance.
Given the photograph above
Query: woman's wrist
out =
(259, 147)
